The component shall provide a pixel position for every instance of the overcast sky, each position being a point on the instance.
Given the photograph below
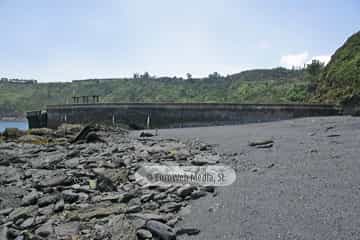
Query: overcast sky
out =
(62, 40)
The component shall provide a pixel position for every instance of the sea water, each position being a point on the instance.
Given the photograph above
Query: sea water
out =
(23, 125)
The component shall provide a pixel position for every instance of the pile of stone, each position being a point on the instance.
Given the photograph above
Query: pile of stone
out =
(80, 184)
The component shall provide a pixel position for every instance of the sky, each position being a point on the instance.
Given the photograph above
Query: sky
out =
(63, 40)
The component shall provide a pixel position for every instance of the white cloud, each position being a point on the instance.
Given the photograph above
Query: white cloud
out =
(299, 59)
(294, 60)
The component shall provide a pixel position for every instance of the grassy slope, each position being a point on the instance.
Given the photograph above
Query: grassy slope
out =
(257, 86)
(341, 77)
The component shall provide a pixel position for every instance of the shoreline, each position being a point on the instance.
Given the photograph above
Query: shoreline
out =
(315, 158)
(13, 119)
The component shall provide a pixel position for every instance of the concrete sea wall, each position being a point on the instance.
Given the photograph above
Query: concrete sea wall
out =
(170, 115)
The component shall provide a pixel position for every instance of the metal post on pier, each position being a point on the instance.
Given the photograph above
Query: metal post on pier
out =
(148, 121)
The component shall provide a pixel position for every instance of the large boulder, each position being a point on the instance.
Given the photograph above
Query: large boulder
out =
(41, 131)
(32, 139)
(12, 133)
(67, 129)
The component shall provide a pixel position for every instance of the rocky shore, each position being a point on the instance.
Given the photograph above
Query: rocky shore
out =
(79, 183)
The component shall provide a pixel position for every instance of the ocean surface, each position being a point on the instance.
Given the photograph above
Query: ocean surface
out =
(23, 125)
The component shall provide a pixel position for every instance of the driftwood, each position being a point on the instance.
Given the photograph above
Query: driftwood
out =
(261, 143)
(87, 134)
(146, 134)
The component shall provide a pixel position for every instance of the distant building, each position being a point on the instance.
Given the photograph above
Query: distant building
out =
(18, 81)
(86, 99)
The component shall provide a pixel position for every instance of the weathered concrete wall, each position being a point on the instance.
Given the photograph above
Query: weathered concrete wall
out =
(181, 115)
(37, 119)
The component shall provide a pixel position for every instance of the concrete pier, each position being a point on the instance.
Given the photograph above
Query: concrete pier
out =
(171, 115)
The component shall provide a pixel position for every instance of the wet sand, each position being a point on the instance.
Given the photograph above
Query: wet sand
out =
(307, 186)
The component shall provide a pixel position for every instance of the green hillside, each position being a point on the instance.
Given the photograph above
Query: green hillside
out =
(277, 85)
(340, 80)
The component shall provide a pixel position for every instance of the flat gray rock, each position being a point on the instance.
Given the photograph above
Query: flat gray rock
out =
(31, 198)
(21, 212)
(160, 230)
(143, 234)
